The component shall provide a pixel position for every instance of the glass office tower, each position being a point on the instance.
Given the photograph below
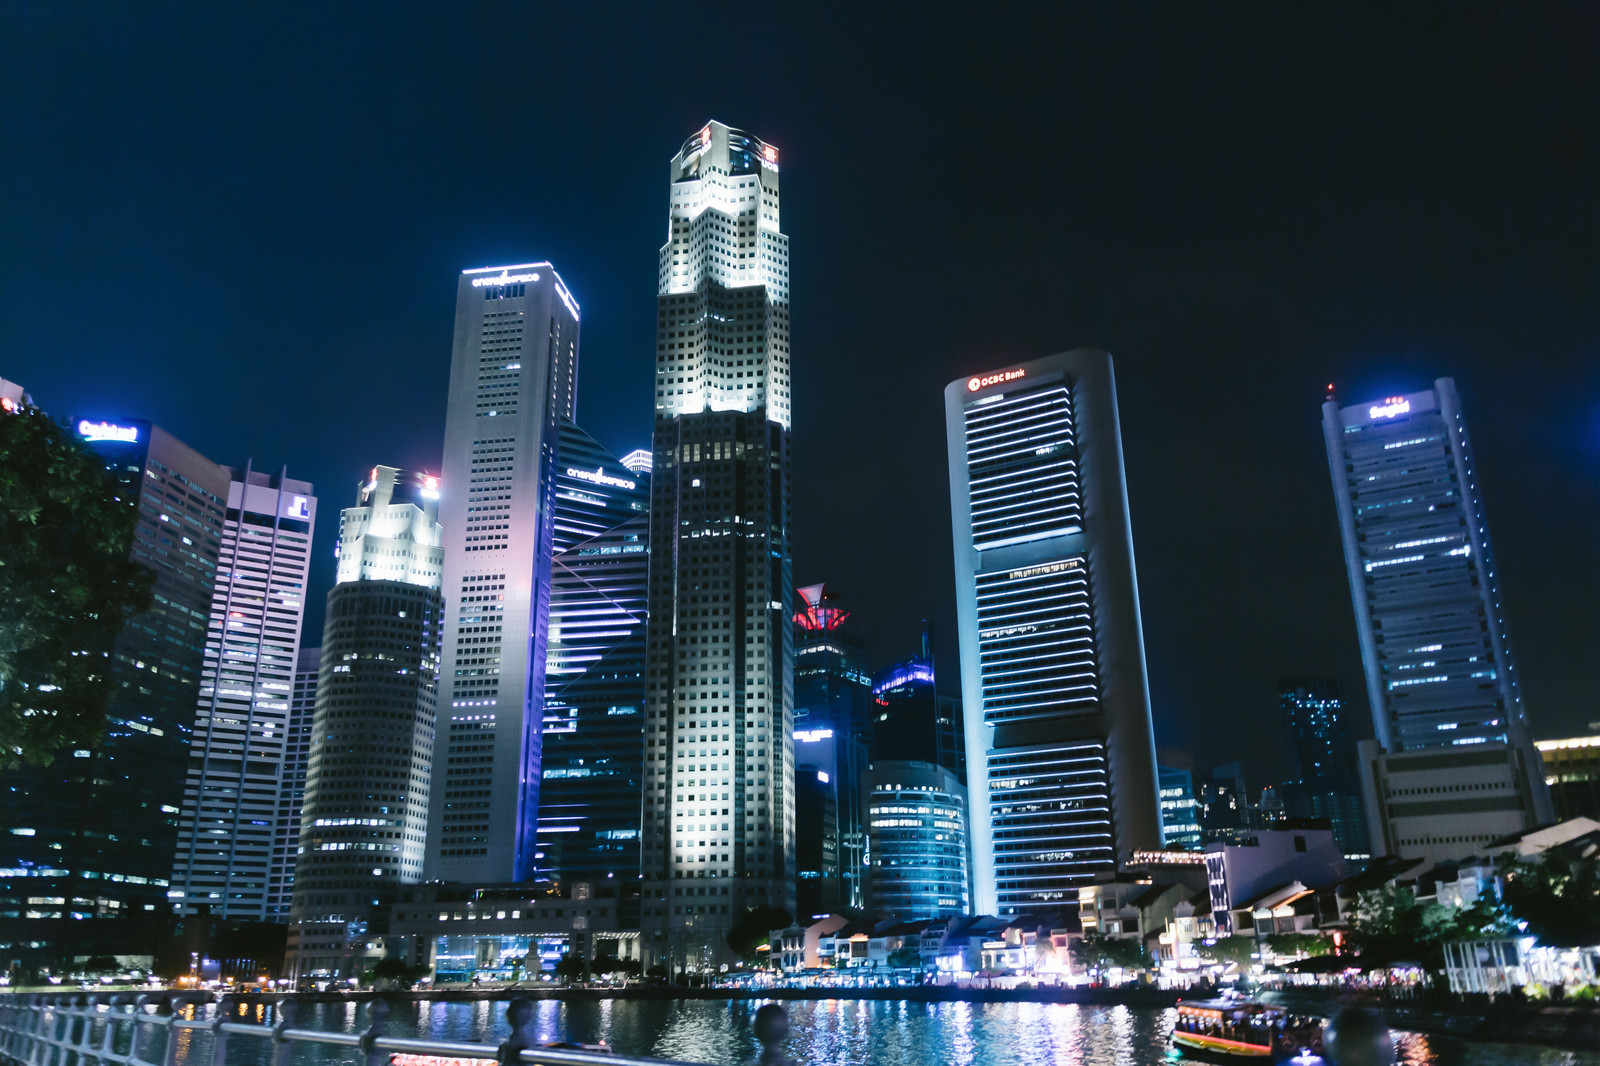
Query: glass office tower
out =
(513, 378)
(1060, 755)
(364, 818)
(594, 668)
(223, 863)
(719, 769)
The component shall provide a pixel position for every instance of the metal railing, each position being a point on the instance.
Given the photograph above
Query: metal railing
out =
(127, 1030)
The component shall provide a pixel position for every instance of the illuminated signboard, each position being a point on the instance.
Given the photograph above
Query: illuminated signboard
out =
(1389, 408)
(107, 431)
(983, 381)
(430, 486)
(810, 736)
(503, 279)
(600, 477)
(769, 153)
(297, 507)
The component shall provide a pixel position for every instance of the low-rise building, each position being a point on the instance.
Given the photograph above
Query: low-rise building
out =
(1267, 859)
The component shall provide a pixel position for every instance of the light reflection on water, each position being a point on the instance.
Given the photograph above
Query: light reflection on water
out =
(824, 1033)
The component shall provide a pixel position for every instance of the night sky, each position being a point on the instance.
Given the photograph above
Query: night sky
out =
(245, 223)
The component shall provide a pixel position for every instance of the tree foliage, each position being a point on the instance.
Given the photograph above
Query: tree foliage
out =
(1391, 925)
(1098, 953)
(1240, 949)
(68, 587)
(753, 929)
(1557, 895)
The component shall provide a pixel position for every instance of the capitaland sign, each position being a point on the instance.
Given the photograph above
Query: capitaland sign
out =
(983, 381)
(107, 431)
(503, 279)
(600, 477)
(1391, 407)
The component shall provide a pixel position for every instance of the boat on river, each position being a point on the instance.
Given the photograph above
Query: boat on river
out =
(1243, 1031)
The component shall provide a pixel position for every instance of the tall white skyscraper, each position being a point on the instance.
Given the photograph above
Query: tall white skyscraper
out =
(1458, 765)
(364, 820)
(719, 762)
(224, 858)
(513, 377)
(1060, 754)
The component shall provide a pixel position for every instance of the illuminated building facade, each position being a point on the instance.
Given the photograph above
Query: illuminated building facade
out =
(913, 721)
(1060, 756)
(364, 819)
(223, 862)
(832, 713)
(1432, 632)
(89, 839)
(513, 378)
(1180, 811)
(1322, 751)
(292, 786)
(719, 781)
(1572, 773)
(917, 839)
(594, 669)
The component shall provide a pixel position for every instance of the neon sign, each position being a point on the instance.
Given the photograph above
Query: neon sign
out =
(430, 487)
(600, 477)
(503, 279)
(983, 381)
(811, 736)
(107, 431)
(1390, 407)
(297, 507)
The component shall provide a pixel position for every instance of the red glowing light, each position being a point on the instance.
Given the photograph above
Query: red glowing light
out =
(818, 614)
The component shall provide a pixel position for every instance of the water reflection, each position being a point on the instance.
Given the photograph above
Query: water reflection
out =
(823, 1033)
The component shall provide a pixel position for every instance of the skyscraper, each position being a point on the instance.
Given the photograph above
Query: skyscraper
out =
(594, 675)
(364, 819)
(1322, 750)
(719, 781)
(1432, 631)
(223, 862)
(832, 713)
(292, 785)
(90, 838)
(513, 378)
(916, 816)
(1060, 757)
(913, 721)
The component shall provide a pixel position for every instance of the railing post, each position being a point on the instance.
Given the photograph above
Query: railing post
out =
(114, 1014)
(520, 1015)
(219, 1039)
(139, 1004)
(771, 1026)
(169, 1006)
(377, 1012)
(282, 1048)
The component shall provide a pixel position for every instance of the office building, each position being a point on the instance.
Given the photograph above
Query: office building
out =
(1226, 811)
(594, 669)
(223, 862)
(719, 783)
(1431, 628)
(912, 720)
(513, 378)
(1572, 773)
(1322, 757)
(1180, 810)
(89, 839)
(916, 814)
(292, 785)
(832, 717)
(1060, 757)
(364, 820)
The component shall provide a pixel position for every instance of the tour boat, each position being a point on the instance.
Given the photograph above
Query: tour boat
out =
(1240, 1031)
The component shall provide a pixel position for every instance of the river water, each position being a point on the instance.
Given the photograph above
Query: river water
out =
(829, 1033)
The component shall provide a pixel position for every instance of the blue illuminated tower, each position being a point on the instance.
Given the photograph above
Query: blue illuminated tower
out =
(593, 757)
(513, 378)
(1060, 755)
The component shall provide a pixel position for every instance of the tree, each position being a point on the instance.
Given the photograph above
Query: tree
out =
(1390, 925)
(1098, 953)
(571, 967)
(1556, 895)
(754, 928)
(396, 971)
(68, 587)
(1240, 949)
(905, 958)
(1307, 944)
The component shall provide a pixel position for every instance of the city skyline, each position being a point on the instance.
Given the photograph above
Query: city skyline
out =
(1274, 275)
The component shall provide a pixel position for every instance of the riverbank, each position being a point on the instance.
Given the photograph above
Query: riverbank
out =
(1101, 997)
(1574, 1027)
